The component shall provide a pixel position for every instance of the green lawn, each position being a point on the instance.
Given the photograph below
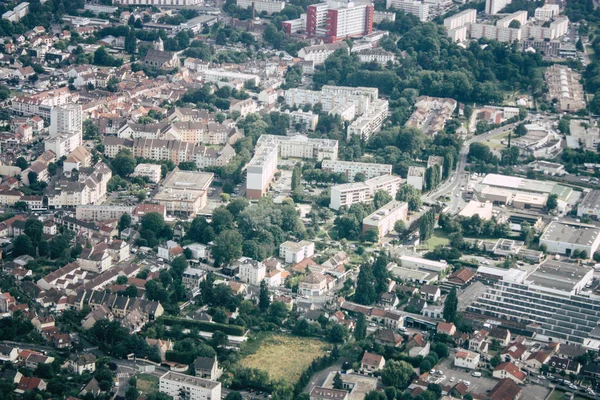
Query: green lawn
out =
(147, 383)
(439, 238)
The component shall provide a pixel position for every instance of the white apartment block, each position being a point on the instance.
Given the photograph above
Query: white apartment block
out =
(380, 16)
(158, 2)
(493, 32)
(362, 192)
(269, 6)
(66, 119)
(547, 12)
(294, 252)
(64, 143)
(493, 6)
(461, 19)
(331, 97)
(370, 122)
(319, 53)
(216, 75)
(244, 107)
(308, 120)
(414, 7)
(379, 56)
(151, 171)
(384, 219)
(251, 271)
(89, 189)
(261, 169)
(558, 28)
(459, 34)
(90, 212)
(351, 168)
(182, 386)
(416, 177)
(300, 146)
(42, 103)
(17, 13)
(519, 16)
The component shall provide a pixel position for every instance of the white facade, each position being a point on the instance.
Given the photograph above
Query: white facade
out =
(66, 119)
(251, 271)
(214, 76)
(319, 53)
(466, 359)
(460, 19)
(370, 122)
(261, 169)
(416, 177)
(493, 6)
(269, 6)
(414, 7)
(351, 168)
(181, 386)
(301, 146)
(384, 219)
(547, 12)
(422, 263)
(159, 2)
(63, 144)
(91, 212)
(151, 171)
(294, 252)
(363, 192)
(562, 238)
(308, 120)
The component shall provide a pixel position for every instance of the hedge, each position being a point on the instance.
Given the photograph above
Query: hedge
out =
(234, 330)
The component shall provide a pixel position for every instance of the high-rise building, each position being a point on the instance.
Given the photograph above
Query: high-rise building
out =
(261, 169)
(65, 119)
(338, 20)
(494, 6)
(414, 7)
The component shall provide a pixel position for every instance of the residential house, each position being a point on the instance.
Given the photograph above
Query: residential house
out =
(8, 353)
(564, 364)
(446, 328)
(251, 271)
(208, 368)
(162, 345)
(169, 250)
(431, 293)
(387, 337)
(510, 371)
(29, 384)
(506, 389)
(372, 362)
(501, 335)
(95, 259)
(478, 342)
(466, 359)
(461, 278)
(418, 346)
(515, 352)
(83, 363)
(314, 284)
(35, 359)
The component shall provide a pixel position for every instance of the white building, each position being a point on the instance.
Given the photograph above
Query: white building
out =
(319, 53)
(261, 169)
(268, 6)
(547, 12)
(370, 122)
(423, 263)
(181, 386)
(192, 277)
(351, 168)
(294, 252)
(217, 75)
(379, 56)
(159, 2)
(565, 238)
(416, 177)
(308, 120)
(415, 7)
(383, 220)
(91, 212)
(301, 146)
(251, 271)
(362, 192)
(462, 18)
(493, 6)
(466, 359)
(151, 171)
(65, 129)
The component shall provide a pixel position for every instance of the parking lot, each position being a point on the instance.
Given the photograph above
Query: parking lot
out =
(478, 385)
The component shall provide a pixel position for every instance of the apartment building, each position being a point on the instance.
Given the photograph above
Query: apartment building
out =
(494, 6)
(547, 12)
(307, 120)
(192, 277)
(379, 56)
(383, 220)
(251, 271)
(416, 177)
(158, 3)
(261, 169)
(351, 168)
(17, 13)
(184, 192)
(551, 302)
(301, 146)
(41, 104)
(217, 75)
(151, 171)
(294, 252)
(462, 18)
(564, 85)
(90, 188)
(66, 129)
(431, 114)
(362, 192)
(319, 53)
(91, 212)
(337, 20)
(370, 122)
(329, 99)
(259, 6)
(417, 8)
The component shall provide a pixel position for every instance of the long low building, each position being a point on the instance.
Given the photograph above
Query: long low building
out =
(182, 386)
(362, 192)
(301, 146)
(423, 263)
(565, 238)
(92, 212)
(351, 168)
(590, 205)
(384, 219)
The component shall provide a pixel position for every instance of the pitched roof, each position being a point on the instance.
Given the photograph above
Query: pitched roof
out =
(511, 369)
(464, 275)
(204, 363)
(505, 389)
(372, 359)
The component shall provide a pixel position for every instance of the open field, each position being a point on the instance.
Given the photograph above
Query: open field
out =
(285, 357)
(439, 238)
(147, 383)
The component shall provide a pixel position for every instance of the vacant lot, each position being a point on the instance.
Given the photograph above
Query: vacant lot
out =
(285, 357)
(147, 383)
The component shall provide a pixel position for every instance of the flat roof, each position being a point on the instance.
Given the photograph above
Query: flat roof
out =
(558, 275)
(483, 209)
(408, 273)
(591, 200)
(378, 215)
(579, 234)
(188, 180)
(190, 380)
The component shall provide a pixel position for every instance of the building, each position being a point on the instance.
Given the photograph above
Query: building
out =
(306, 120)
(301, 146)
(151, 171)
(370, 122)
(314, 284)
(321, 393)
(547, 12)
(184, 192)
(208, 368)
(351, 168)
(484, 210)
(65, 129)
(159, 3)
(564, 86)
(565, 238)
(508, 370)
(218, 76)
(462, 18)
(416, 177)
(294, 252)
(261, 169)
(90, 188)
(192, 277)
(384, 219)
(417, 8)
(251, 271)
(83, 363)
(91, 212)
(260, 6)
(590, 205)
(492, 7)
(181, 386)
(372, 362)
(362, 192)
(431, 114)
(466, 359)
(319, 53)
(505, 389)
(379, 56)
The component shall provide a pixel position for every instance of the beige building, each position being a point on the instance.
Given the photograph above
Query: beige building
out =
(314, 284)
(484, 210)
(181, 386)
(351, 168)
(261, 169)
(384, 219)
(362, 192)
(150, 171)
(564, 85)
(184, 192)
(91, 212)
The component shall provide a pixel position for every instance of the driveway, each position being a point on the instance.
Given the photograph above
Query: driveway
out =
(478, 385)
(319, 378)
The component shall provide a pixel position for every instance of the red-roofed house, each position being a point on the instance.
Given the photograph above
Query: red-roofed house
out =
(506, 389)
(462, 277)
(26, 384)
(446, 328)
(372, 362)
(466, 359)
(510, 371)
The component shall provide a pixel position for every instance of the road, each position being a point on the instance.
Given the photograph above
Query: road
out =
(453, 185)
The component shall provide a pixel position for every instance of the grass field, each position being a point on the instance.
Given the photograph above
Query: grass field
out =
(147, 383)
(439, 238)
(284, 357)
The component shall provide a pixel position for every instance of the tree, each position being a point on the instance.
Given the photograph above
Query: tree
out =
(296, 178)
(365, 289)
(400, 226)
(264, 298)
(34, 228)
(410, 195)
(227, 247)
(450, 306)
(495, 361)
(123, 163)
(426, 225)
(338, 383)
(397, 374)
(552, 202)
(234, 396)
(381, 198)
(22, 246)
(124, 222)
(564, 126)
(337, 333)
(32, 177)
(22, 163)
(154, 222)
(360, 331)
(131, 42)
(375, 395)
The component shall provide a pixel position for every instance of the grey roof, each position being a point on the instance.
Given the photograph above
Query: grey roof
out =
(205, 363)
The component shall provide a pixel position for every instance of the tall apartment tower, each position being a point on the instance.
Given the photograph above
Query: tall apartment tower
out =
(492, 7)
(338, 20)
(66, 119)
